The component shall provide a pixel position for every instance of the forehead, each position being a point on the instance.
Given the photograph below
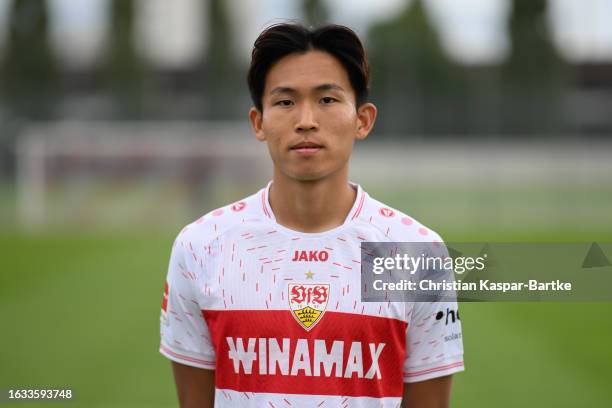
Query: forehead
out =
(307, 70)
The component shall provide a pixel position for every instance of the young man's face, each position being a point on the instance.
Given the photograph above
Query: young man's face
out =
(309, 117)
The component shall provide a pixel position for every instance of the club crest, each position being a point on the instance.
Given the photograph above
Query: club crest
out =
(308, 302)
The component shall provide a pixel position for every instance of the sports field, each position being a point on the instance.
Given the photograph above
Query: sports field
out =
(80, 310)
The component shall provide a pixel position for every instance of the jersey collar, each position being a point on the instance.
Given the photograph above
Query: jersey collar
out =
(352, 214)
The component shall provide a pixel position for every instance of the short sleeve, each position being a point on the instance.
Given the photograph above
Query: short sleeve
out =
(434, 346)
(184, 334)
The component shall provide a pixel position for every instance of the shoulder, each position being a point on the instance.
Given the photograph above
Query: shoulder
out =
(395, 224)
(222, 220)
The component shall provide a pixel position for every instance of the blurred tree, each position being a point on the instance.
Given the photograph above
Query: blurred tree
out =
(534, 74)
(413, 81)
(222, 71)
(124, 68)
(29, 75)
(315, 13)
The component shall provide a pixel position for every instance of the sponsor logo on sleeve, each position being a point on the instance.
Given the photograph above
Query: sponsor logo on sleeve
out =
(450, 316)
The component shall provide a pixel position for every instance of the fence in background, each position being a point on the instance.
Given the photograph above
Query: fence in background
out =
(166, 173)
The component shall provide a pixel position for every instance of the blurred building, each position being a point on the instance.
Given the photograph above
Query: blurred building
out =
(187, 59)
(108, 106)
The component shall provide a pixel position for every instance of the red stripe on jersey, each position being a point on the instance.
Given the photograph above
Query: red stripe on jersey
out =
(186, 358)
(269, 351)
(434, 369)
(358, 211)
(263, 204)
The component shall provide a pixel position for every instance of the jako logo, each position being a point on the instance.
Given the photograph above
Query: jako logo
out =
(453, 314)
(310, 256)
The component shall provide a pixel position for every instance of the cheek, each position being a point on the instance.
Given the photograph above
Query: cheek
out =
(343, 124)
(274, 123)
(269, 126)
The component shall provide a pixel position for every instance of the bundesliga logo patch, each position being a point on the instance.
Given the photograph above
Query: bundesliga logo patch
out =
(164, 308)
(308, 302)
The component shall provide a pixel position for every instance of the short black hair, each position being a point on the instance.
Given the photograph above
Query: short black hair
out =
(280, 40)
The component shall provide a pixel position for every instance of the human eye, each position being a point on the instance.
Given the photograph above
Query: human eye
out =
(326, 100)
(284, 103)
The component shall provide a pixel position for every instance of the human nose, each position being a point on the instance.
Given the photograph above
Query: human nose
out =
(306, 119)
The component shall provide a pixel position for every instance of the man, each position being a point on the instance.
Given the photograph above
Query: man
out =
(262, 305)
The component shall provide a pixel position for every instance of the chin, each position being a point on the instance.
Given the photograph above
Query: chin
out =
(309, 174)
(307, 177)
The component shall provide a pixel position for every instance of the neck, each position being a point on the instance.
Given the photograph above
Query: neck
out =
(311, 206)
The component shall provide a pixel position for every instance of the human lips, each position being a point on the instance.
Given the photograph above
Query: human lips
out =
(306, 148)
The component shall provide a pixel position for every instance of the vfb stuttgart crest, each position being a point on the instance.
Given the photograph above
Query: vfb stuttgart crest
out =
(307, 302)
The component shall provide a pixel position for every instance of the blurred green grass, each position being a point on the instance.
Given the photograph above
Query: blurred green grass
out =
(80, 310)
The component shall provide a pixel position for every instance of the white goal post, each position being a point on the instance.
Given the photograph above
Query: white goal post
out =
(97, 173)
(127, 174)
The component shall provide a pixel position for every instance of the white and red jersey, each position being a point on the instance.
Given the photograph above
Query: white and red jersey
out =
(278, 313)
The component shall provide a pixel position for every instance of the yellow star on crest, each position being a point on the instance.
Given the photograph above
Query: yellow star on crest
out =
(309, 275)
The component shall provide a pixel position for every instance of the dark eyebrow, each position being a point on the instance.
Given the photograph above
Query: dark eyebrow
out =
(282, 89)
(322, 87)
(329, 87)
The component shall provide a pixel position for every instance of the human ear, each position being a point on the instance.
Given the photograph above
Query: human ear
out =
(366, 116)
(256, 119)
